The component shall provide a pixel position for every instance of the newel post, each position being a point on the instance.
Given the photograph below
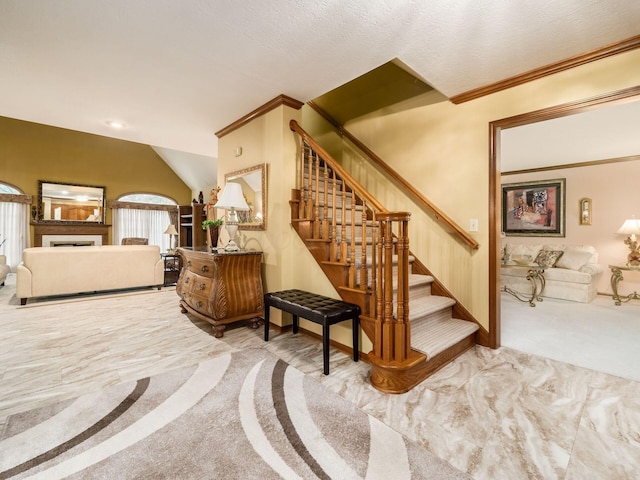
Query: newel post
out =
(394, 341)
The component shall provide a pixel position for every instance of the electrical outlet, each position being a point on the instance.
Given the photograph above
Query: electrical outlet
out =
(473, 225)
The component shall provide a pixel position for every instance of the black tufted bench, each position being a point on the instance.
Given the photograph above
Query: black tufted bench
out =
(325, 311)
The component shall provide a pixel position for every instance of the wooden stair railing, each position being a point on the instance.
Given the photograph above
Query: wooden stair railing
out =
(439, 215)
(327, 192)
(364, 250)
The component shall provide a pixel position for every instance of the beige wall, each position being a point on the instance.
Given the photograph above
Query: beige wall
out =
(286, 262)
(613, 187)
(30, 152)
(443, 150)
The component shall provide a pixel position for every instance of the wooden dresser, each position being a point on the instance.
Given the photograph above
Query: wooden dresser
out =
(222, 287)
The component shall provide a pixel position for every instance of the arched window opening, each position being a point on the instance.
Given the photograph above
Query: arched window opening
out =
(9, 189)
(148, 198)
(14, 223)
(144, 215)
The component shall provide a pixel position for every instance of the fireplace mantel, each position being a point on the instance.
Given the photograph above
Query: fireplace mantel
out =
(40, 229)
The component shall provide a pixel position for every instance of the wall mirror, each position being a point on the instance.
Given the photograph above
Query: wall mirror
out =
(253, 181)
(63, 202)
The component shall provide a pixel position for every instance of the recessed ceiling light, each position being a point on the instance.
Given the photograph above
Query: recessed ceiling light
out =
(114, 124)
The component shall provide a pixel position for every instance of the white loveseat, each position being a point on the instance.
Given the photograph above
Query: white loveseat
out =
(46, 271)
(572, 277)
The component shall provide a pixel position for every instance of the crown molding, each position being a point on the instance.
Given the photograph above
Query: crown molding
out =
(592, 56)
(280, 100)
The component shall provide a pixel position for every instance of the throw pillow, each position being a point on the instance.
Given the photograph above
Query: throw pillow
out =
(548, 258)
(573, 260)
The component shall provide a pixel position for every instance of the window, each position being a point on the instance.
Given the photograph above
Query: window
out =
(144, 215)
(149, 198)
(14, 223)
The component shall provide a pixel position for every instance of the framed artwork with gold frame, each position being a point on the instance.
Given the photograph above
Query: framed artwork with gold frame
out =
(535, 209)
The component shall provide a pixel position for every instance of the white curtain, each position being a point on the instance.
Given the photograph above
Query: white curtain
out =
(14, 230)
(132, 222)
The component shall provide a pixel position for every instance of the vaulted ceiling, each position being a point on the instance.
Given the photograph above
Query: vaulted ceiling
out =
(176, 72)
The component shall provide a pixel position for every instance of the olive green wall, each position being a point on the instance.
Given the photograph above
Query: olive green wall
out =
(30, 152)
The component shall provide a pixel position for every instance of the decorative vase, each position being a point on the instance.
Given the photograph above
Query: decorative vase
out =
(214, 230)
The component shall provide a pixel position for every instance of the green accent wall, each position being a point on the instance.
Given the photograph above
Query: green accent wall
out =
(30, 152)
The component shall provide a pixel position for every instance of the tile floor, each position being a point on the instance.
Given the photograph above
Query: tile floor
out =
(496, 414)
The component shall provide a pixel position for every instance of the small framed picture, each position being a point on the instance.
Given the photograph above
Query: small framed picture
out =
(535, 209)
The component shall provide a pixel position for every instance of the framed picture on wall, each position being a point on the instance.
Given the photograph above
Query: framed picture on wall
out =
(535, 209)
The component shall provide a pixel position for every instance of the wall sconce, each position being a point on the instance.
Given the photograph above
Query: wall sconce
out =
(585, 211)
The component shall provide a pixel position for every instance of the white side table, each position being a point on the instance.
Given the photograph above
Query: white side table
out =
(535, 275)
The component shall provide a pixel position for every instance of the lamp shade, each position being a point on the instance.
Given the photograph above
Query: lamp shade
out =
(630, 226)
(232, 197)
(171, 230)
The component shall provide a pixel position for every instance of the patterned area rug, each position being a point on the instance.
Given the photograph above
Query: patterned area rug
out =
(245, 415)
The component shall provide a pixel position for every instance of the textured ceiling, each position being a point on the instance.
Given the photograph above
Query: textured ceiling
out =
(176, 72)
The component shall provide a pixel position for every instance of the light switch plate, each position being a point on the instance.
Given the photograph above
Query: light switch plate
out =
(473, 225)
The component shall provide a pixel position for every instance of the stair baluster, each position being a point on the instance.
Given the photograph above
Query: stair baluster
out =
(316, 200)
(374, 261)
(364, 275)
(333, 246)
(352, 245)
(308, 203)
(324, 229)
(343, 234)
(303, 183)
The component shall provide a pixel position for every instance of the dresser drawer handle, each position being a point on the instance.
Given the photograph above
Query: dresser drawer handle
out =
(205, 268)
(198, 304)
(202, 286)
(186, 280)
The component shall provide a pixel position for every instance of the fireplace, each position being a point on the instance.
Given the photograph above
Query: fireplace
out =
(68, 243)
(65, 234)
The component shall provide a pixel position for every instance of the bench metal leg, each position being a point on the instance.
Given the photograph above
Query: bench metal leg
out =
(295, 323)
(355, 323)
(325, 347)
(266, 323)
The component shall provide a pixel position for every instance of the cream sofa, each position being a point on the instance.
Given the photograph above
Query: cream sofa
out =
(46, 271)
(572, 277)
(4, 269)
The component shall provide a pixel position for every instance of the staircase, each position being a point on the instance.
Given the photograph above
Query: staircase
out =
(364, 251)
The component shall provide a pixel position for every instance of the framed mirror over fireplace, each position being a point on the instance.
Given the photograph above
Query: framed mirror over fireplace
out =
(70, 214)
(67, 202)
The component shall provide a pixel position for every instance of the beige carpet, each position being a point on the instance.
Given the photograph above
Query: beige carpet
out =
(597, 335)
(242, 415)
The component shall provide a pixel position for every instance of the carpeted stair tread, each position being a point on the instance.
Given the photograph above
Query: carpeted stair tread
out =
(416, 279)
(422, 307)
(433, 338)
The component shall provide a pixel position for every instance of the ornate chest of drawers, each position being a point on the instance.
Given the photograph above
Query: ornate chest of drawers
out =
(221, 288)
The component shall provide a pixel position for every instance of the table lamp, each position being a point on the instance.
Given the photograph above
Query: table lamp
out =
(171, 231)
(631, 227)
(232, 199)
